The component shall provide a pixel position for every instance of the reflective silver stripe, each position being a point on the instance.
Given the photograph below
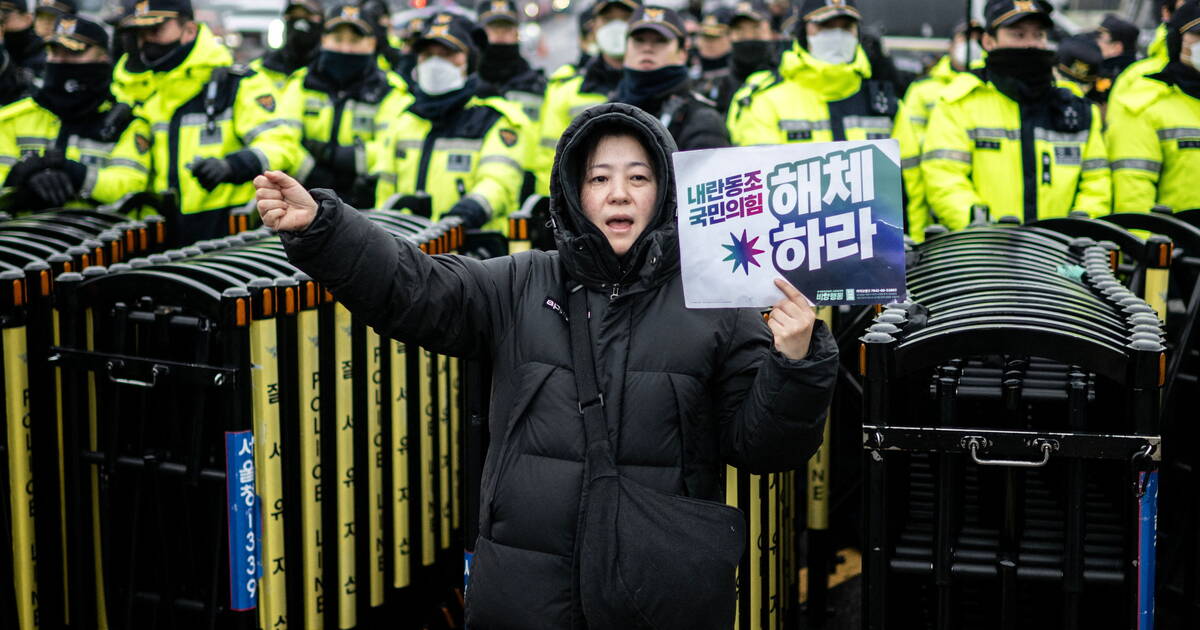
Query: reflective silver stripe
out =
(8, 161)
(85, 144)
(501, 159)
(912, 162)
(874, 123)
(160, 127)
(314, 103)
(1137, 165)
(918, 120)
(409, 144)
(993, 132)
(89, 183)
(948, 154)
(360, 158)
(262, 159)
(306, 167)
(524, 97)
(1098, 163)
(804, 125)
(457, 144)
(388, 177)
(33, 140)
(199, 120)
(269, 125)
(127, 163)
(482, 201)
(1176, 133)
(1048, 135)
(550, 143)
(579, 109)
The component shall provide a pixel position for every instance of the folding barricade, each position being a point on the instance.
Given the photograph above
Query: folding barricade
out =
(343, 509)
(1011, 436)
(33, 250)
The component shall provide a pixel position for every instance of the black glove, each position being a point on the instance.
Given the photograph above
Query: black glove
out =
(20, 173)
(211, 172)
(363, 191)
(115, 122)
(53, 186)
(319, 150)
(471, 211)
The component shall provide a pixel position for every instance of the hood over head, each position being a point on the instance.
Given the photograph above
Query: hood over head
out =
(585, 253)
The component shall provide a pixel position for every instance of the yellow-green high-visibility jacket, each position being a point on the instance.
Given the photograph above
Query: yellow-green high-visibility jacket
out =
(911, 122)
(980, 149)
(112, 168)
(569, 91)
(809, 100)
(359, 116)
(131, 87)
(278, 77)
(1156, 59)
(1154, 146)
(475, 153)
(207, 108)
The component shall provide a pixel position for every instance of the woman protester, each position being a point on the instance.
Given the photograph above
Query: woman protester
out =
(601, 499)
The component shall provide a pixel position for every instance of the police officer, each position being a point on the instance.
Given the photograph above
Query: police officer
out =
(503, 71)
(54, 146)
(571, 90)
(1079, 63)
(1153, 132)
(24, 46)
(656, 80)
(460, 152)
(215, 126)
(303, 25)
(346, 99)
(714, 51)
(1156, 57)
(1118, 43)
(47, 12)
(1008, 137)
(913, 118)
(822, 90)
(133, 80)
(587, 38)
(387, 45)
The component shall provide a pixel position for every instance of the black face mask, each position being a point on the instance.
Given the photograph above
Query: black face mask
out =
(708, 64)
(501, 62)
(18, 41)
(641, 87)
(343, 68)
(72, 90)
(1022, 74)
(302, 37)
(164, 57)
(750, 56)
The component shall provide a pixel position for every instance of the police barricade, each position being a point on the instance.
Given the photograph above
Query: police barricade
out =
(243, 452)
(1012, 438)
(33, 249)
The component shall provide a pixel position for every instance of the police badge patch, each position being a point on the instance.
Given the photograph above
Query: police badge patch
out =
(267, 102)
(143, 143)
(508, 137)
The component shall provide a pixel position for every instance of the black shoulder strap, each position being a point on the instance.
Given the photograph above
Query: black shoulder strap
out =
(591, 399)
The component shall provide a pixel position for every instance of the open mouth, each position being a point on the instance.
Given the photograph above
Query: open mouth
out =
(619, 223)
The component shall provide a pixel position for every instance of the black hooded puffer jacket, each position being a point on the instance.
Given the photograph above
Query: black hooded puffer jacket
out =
(686, 391)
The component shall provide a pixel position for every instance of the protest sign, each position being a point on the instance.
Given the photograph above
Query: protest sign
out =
(828, 217)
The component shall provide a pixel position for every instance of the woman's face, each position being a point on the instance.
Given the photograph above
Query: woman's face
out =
(619, 190)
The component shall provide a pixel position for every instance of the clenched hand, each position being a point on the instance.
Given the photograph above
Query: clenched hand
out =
(283, 204)
(791, 322)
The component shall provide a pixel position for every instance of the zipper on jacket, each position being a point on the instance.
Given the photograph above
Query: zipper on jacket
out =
(339, 107)
(1029, 179)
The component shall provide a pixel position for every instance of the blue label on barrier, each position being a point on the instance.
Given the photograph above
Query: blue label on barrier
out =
(468, 558)
(1147, 533)
(244, 565)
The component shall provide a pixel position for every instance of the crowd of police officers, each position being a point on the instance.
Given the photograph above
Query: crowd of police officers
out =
(443, 115)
